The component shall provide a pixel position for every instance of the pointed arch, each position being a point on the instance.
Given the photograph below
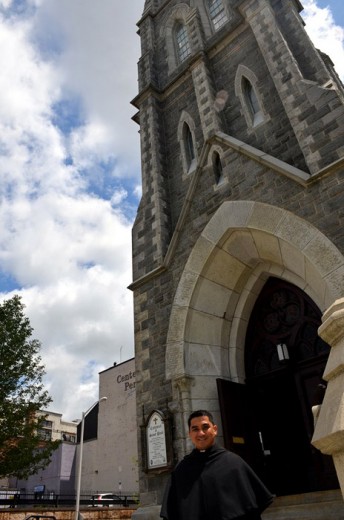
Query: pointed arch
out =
(215, 164)
(251, 96)
(243, 244)
(246, 88)
(177, 18)
(187, 141)
(181, 40)
(217, 13)
(214, 14)
(217, 167)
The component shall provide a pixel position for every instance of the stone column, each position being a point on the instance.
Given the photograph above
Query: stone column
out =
(329, 430)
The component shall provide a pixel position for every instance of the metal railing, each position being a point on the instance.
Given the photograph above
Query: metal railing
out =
(53, 500)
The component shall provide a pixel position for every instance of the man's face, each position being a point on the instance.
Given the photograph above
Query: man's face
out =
(202, 432)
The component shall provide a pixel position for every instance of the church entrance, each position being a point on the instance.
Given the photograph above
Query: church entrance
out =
(269, 420)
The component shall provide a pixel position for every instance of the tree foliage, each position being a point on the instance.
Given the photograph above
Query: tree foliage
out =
(22, 395)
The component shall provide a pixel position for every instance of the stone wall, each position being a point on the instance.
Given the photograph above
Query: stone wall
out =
(302, 128)
(68, 514)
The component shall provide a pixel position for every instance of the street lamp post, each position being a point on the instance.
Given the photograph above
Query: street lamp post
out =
(78, 482)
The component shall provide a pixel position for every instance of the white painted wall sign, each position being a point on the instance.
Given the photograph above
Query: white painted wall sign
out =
(156, 442)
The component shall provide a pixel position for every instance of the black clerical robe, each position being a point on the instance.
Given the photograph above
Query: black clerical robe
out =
(214, 485)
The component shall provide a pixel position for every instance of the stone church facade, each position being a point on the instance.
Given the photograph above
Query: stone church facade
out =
(238, 243)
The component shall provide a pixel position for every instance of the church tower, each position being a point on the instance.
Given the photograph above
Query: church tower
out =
(238, 243)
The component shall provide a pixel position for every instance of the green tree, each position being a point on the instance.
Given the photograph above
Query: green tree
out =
(22, 395)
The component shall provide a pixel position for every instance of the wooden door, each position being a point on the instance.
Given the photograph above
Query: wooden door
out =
(240, 430)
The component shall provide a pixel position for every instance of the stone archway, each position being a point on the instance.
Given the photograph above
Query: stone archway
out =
(242, 245)
(251, 239)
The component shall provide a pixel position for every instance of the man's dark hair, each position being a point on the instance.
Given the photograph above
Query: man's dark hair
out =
(200, 413)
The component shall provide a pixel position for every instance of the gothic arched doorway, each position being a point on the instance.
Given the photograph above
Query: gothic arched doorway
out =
(284, 362)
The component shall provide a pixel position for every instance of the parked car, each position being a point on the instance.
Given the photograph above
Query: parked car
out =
(110, 500)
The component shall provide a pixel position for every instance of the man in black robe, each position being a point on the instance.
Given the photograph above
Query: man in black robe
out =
(212, 483)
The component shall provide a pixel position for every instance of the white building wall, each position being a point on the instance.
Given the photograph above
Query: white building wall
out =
(90, 467)
(110, 463)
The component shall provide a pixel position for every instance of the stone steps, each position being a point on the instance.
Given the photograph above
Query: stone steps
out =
(322, 505)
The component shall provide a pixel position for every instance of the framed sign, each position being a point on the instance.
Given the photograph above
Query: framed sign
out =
(157, 442)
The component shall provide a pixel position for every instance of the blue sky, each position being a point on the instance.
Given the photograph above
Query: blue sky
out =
(325, 24)
(336, 7)
(70, 176)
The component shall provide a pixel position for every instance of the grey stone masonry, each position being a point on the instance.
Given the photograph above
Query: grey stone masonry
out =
(151, 229)
(204, 90)
(316, 113)
(146, 62)
(202, 247)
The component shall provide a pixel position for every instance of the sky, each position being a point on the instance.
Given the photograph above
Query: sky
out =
(70, 178)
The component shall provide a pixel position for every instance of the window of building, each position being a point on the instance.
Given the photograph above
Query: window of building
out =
(187, 141)
(175, 33)
(189, 145)
(217, 167)
(47, 424)
(182, 42)
(68, 437)
(251, 96)
(246, 88)
(45, 435)
(217, 13)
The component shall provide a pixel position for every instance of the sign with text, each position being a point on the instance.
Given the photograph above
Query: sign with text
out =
(156, 442)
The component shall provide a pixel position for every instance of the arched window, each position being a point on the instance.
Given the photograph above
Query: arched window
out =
(217, 13)
(187, 142)
(189, 145)
(246, 88)
(251, 96)
(217, 167)
(182, 42)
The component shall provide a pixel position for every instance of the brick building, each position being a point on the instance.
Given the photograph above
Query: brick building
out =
(238, 241)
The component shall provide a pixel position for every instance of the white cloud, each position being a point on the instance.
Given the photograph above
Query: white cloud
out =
(5, 3)
(83, 321)
(138, 191)
(68, 248)
(98, 62)
(325, 34)
(73, 259)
